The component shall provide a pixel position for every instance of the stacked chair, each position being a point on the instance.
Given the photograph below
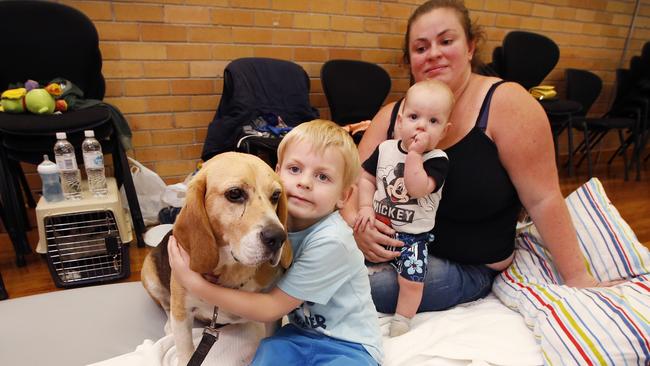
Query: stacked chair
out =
(626, 114)
(640, 75)
(527, 58)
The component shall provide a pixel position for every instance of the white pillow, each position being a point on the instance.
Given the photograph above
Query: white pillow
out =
(584, 326)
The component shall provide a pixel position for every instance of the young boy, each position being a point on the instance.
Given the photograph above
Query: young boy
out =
(326, 291)
(401, 186)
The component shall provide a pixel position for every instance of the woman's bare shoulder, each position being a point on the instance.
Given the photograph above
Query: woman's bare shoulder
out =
(511, 89)
(511, 99)
(377, 132)
(514, 111)
(385, 112)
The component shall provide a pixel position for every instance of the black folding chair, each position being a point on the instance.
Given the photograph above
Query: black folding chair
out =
(355, 90)
(494, 67)
(34, 52)
(624, 115)
(527, 58)
(3, 291)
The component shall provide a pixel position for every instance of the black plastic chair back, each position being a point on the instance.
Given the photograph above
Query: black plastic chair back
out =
(636, 67)
(645, 51)
(61, 42)
(494, 67)
(626, 114)
(583, 87)
(58, 35)
(645, 61)
(355, 90)
(625, 86)
(497, 60)
(528, 57)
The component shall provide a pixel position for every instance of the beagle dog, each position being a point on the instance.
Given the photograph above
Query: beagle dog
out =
(233, 226)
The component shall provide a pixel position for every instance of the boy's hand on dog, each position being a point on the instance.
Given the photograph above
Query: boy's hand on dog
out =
(179, 260)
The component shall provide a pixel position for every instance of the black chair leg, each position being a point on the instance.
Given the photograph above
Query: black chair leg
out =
(3, 292)
(15, 172)
(594, 139)
(13, 220)
(570, 141)
(636, 141)
(618, 151)
(588, 153)
(23, 183)
(3, 219)
(122, 168)
(637, 156)
(623, 152)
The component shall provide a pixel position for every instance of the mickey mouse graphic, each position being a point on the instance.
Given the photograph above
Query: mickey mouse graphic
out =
(395, 189)
(396, 195)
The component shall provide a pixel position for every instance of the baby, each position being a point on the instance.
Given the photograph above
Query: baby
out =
(401, 186)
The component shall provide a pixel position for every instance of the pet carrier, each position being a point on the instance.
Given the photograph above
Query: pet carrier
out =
(85, 241)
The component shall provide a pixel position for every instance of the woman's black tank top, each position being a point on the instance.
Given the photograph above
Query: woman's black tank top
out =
(476, 220)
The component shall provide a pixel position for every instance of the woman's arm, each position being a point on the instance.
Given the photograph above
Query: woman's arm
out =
(372, 240)
(520, 129)
(262, 307)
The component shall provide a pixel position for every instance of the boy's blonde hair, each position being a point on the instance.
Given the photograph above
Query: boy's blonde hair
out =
(322, 134)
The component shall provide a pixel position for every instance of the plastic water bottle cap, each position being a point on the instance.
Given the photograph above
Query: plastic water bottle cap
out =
(89, 133)
(61, 135)
(47, 167)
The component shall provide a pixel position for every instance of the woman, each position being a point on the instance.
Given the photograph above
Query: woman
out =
(501, 157)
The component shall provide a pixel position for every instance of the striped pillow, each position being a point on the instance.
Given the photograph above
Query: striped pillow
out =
(584, 326)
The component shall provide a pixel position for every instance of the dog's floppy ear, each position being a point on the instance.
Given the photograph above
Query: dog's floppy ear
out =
(192, 228)
(287, 254)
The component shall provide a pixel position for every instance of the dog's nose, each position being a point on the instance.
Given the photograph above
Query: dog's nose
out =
(273, 237)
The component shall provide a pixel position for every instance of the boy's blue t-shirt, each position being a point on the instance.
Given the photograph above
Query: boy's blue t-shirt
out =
(329, 274)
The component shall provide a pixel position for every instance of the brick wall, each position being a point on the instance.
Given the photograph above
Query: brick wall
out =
(164, 59)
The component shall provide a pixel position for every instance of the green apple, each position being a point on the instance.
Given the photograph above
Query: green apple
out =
(12, 105)
(39, 101)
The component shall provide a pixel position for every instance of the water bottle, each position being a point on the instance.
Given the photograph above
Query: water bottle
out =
(49, 172)
(69, 171)
(94, 163)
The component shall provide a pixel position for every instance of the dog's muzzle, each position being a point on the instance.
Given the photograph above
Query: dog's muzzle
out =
(273, 237)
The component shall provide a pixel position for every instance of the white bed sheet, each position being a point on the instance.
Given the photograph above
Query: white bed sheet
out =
(484, 332)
